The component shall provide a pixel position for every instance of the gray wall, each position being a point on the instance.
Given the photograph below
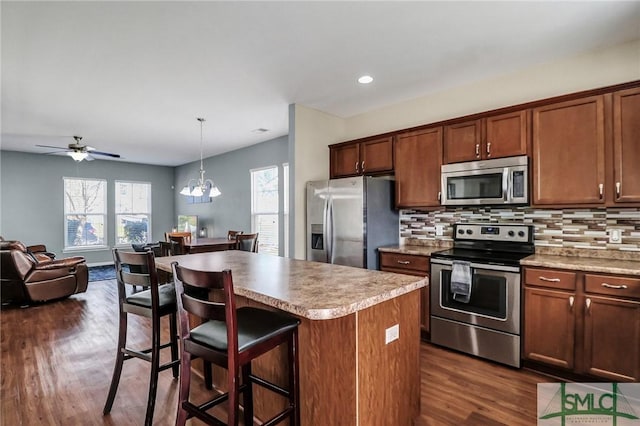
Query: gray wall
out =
(230, 172)
(31, 201)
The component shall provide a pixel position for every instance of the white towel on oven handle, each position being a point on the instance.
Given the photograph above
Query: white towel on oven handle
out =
(461, 282)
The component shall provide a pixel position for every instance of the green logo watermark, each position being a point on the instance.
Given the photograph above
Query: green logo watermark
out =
(616, 404)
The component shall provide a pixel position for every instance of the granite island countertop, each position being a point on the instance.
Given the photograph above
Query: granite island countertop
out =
(420, 250)
(317, 291)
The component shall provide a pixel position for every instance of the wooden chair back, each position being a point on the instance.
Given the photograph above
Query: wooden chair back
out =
(136, 269)
(231, 235)
(185, 235)
(178, 246)
(247, 242)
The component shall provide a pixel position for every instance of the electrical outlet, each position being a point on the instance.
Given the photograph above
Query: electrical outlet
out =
(615, 235)
(439, 230)
(392, 333)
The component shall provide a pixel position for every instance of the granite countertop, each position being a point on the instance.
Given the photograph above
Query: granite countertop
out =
(425, 249)
(587, 264)
(317, 291)
(601, 261)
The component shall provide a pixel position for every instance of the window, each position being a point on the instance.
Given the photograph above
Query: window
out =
(264, 208)
(85, 213)
(285, 219)
(133, 212)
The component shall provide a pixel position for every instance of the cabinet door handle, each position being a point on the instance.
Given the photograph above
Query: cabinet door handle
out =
(362, 167)
(571, 300)
(618, 185)
(439, 196)
(477, 150)
(403, 262)
(357, 167)
(551, 280)
(489, 149)
(588, 304)
(617, 287)
(601, 189)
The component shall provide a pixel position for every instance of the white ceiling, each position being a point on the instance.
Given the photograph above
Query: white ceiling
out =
(131, 77)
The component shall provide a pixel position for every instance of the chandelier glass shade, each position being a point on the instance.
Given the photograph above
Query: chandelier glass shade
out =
(200, 187)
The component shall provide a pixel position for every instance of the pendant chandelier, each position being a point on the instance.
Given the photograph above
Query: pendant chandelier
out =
(201, 186)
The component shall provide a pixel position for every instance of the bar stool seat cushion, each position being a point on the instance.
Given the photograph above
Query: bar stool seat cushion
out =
(254, 326)
(166, 296)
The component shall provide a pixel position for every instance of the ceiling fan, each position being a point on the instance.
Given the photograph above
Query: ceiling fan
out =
(78, 151)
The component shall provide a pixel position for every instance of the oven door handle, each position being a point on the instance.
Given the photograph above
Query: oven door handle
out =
(483, 266)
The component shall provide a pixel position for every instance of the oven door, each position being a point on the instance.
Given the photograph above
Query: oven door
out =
(494, 301)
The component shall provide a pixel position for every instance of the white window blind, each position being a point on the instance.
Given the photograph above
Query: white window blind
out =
(264, 208)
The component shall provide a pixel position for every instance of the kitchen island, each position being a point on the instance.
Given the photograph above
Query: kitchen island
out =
(349, 375)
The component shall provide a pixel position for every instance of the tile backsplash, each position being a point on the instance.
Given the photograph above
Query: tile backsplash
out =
(566, 228)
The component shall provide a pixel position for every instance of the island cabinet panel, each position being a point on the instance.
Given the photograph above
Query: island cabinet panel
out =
(368, 157)
(549, 327)
(418, 158)
(497, 136)
(380, 363)
(626, 146)
(569, 152)
(612, 338)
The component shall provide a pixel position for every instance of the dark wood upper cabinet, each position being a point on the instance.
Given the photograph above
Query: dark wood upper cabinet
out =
(503, 135)
(626, 146)
(569, 152)
(367, 157)
(418, 156)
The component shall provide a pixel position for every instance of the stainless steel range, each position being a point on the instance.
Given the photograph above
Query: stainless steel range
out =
(476, 290)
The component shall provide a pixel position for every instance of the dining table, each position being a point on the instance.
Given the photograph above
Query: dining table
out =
(205, 245)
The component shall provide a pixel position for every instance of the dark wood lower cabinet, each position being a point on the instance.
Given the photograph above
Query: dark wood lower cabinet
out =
(411, 264)
(549, 327)
(612, 339)
(584, 324)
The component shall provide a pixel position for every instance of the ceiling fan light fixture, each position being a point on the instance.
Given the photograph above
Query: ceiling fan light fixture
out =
(77, 156)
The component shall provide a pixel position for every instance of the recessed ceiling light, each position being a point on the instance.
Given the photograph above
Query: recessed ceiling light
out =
(365, 79)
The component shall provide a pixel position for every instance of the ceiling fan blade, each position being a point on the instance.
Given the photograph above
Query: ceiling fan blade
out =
(54, 147)
(89, 158)
(108, 154)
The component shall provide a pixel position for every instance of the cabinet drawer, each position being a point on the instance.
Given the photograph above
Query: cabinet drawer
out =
(612, 285)
(550, 278)
(404, 263)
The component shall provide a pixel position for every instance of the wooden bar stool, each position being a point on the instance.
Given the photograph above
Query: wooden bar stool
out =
(247, 242)
(155, 302)
(231, 338)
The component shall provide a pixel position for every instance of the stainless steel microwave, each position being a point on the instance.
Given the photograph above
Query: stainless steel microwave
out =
(499, 181)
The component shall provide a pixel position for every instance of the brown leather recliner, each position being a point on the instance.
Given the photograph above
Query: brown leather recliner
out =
(36, 277)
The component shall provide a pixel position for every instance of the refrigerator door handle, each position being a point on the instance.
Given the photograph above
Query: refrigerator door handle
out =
(330, 231)
(325, 228)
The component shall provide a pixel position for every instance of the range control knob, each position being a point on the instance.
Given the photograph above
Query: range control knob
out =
(461, 231)
(469, 232)
(511, 233)
(520, 233)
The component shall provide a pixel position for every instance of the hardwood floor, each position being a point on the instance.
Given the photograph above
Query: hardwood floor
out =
(56, 363)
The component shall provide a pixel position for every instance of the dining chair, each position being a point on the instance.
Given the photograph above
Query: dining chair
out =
(231, 338)
(155, 302)
(185, 235)
(180, 244)
(231, 235)
(247, 242)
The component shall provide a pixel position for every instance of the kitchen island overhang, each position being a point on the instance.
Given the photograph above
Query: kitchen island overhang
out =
(352, 369)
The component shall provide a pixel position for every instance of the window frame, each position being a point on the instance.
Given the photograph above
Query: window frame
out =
(104, 214)
(255, 214)
(116, 213)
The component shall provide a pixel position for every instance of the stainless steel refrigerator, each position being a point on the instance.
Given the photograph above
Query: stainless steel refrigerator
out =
(348, 219)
